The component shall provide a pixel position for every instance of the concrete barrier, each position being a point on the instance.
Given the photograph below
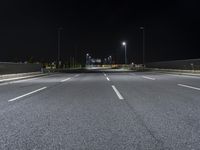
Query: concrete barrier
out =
(190, 64)
(13, 68)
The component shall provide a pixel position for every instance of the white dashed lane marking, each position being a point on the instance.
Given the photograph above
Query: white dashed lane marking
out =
(16, 98)
(117, 92)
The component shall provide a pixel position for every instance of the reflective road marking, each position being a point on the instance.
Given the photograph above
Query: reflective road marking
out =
(26, 94)
(117, 92)
(191, 87)
(148, 78)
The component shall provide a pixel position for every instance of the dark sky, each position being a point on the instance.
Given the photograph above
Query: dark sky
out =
(28, 28)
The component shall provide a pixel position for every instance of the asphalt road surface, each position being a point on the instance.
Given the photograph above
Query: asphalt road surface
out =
(101, 111)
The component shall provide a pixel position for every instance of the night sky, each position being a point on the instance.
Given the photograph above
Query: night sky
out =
(28, 29)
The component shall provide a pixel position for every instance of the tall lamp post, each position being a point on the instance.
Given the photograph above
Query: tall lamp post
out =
(59, 44)
(125, 56)
(87, 60)
(143, 45)
(110, 60)
(90, 60)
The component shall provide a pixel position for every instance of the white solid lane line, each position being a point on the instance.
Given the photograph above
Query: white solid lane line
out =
(148, 78)
(24, 80)
(107, 78)
(16, 98)
(65, 80)
(16, 78)
(35, 78)
(18, 81)
(187, 86)
(117, 92)
(185, 76)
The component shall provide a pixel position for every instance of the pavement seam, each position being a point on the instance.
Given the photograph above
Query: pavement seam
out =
(139, 118)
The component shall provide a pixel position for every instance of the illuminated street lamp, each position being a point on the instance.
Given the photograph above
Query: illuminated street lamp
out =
(110, 59)
(59, 45)
(143, 44)
(90, 60)
(105, 61)
(87, 60)
(125, 56)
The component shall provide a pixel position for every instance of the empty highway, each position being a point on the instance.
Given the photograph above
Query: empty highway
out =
(101, 111)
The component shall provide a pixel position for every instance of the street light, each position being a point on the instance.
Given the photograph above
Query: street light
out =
(143, 45)
(110, 59)
(86, 62)
(59, 43)
(125, 56)
(90, 60)
(105, 61)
